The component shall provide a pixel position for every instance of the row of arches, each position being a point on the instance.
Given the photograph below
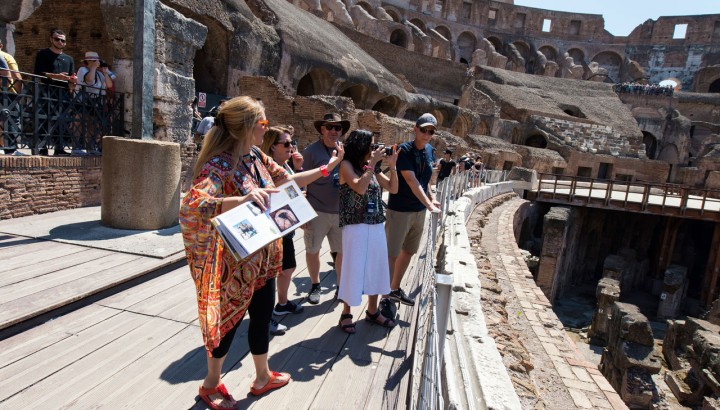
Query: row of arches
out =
(466, 42)
(320, 82)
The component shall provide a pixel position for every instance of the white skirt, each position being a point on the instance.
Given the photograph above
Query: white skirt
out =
(364, 263)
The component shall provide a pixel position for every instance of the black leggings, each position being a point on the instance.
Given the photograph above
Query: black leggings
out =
(260, 310)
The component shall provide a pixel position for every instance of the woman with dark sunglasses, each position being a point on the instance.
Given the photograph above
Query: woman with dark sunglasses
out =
(278, 144)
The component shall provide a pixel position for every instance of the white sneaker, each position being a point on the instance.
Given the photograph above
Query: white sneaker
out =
(277, 328)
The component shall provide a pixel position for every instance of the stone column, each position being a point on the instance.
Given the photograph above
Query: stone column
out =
(673, 290)
(140, 183)
(607, 293)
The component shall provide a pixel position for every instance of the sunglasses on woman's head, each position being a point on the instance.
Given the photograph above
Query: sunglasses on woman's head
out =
(286, 144)
(428, 131)
(264, 123)
(331, 127)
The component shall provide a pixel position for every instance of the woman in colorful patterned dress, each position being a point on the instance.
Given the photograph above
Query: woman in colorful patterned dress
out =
(231, 171)
(364, 265)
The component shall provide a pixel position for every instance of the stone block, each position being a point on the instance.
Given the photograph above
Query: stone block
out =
(637, 389)
(140, 183)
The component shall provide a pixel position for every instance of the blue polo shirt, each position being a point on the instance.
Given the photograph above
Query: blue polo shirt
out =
(419, 161)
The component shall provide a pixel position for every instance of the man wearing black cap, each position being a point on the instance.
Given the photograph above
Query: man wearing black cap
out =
(406, 209)
(324, 196)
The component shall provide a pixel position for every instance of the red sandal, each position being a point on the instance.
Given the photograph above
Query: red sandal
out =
(221, 389)
(270, 384)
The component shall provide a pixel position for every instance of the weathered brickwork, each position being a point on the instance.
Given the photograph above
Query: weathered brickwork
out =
(35, 185)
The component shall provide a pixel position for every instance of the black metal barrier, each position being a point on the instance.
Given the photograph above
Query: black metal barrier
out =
(37, 113)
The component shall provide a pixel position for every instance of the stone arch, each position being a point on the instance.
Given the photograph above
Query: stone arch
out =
(358, 93)
(399, 38)
(549, 52)
(714, 86)
(367, 7)
(315, 82)
(650, 144)
(210, 62)
(536, 141)
(497, 43)
(442, 116)
(445, 32)
(389, 105)
(611, 61)
(467, 43)
(523, 48)
(419, 24)
(461, 126)
(578, 55)
(669, 154)
(482, 128)
(393, 15)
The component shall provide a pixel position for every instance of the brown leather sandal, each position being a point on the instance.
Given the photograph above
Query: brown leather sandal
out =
(347, 328)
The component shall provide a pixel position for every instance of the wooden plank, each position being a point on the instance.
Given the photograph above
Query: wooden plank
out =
(175, 303)
(51, 266)
(149, 289)
(63, 387)
(24, 373)
(347, 384)
(24, 344)
(25, 247)
(38, 284)
(41, 256)
(41, 302)
(167, 376)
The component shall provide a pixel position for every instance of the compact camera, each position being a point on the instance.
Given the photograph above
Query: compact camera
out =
(388, 150)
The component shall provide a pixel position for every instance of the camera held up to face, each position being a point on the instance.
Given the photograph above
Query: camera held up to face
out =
(388, 150)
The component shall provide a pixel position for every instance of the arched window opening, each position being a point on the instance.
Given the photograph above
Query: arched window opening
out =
(393, 15)
(356, 93)
(650, 145)
(715, 86)
(399, 38)
(305, 86)
(536, 141)
(388, 105)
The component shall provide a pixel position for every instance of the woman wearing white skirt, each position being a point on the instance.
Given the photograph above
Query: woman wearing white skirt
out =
(362, 214)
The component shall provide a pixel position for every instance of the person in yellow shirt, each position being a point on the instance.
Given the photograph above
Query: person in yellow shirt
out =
(16, 79)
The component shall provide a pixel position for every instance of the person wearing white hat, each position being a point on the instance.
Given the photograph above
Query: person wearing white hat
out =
(89, 77)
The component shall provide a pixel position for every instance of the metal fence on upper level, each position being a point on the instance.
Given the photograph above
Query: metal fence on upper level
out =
(37, 113)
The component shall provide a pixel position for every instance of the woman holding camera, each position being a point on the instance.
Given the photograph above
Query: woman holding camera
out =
(362, 214)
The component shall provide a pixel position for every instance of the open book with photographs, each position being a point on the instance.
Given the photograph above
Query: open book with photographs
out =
(246, 229)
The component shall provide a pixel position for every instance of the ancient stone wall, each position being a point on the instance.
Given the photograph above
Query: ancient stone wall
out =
(561, 226)
(36, 185)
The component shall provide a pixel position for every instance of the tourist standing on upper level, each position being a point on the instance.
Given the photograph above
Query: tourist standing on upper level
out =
(230, 171)
(323, 195)
(406, 208)
(15, 83)
(365, 268)
(59, 67)
(446, 165)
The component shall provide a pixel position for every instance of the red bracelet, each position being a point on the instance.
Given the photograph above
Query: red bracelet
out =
(324, 171)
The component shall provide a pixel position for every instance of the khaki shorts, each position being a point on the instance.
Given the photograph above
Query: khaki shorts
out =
(320, 227)
(404, 231)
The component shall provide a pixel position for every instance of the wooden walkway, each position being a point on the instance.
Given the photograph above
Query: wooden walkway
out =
(141, 347)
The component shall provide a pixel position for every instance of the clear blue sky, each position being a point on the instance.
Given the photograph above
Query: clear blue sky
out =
(622, 16)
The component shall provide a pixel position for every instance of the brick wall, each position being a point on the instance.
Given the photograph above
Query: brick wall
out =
(83, 24)
(35, 185)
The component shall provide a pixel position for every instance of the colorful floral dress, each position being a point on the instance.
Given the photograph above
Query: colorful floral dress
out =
(225, 286)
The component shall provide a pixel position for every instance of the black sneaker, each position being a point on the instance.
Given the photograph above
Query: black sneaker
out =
(400, 296)
(289, 308)
(314, 294)
(277, 328)
(387, 308)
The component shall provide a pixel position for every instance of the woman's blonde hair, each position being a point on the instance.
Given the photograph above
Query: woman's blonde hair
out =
(234, 123)
(270, 138)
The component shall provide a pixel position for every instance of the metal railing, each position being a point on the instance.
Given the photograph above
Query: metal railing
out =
(426, 387)
(38, 113)
(665, 199)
